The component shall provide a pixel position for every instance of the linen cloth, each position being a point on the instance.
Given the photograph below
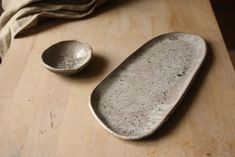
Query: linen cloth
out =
(20, 15)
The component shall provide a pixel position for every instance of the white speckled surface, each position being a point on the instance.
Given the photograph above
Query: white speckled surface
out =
(67, 57)
(136, 98)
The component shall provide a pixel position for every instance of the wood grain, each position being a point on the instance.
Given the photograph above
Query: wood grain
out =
(43, 114)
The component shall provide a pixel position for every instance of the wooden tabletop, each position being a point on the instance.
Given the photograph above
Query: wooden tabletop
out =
(45, 115)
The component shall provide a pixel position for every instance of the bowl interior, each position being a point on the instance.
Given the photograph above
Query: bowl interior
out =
(67, 55)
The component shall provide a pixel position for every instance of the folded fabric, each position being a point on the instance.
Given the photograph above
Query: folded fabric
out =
(20, 15)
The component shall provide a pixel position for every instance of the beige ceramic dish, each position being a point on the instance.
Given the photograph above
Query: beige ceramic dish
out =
(139, 95)
(67, 57)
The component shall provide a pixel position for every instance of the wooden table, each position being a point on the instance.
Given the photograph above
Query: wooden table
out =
(44, 115)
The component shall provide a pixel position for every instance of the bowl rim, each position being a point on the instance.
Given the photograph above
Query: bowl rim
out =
(90, 52)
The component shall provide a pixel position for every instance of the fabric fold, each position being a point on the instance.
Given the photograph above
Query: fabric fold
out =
(22, 15)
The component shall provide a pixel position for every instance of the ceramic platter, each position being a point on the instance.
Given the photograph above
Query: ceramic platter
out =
(136, 98)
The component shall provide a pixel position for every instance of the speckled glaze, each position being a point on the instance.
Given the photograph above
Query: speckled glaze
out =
(67, 57)
(138, 96)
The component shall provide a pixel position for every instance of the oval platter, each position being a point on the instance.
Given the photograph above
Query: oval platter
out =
(136, 98)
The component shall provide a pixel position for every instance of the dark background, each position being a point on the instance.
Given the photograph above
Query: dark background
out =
(225, 14)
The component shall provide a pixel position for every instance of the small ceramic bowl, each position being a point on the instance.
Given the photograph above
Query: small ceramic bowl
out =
(67, 57)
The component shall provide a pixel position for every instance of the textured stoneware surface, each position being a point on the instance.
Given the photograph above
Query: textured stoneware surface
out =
(138, 96)
(67, 57)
